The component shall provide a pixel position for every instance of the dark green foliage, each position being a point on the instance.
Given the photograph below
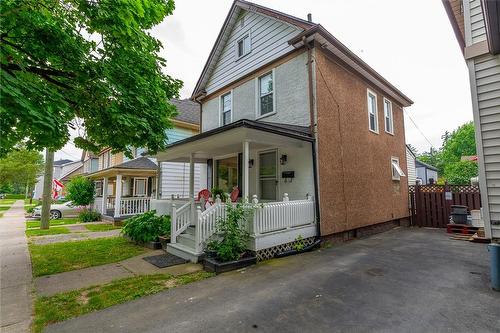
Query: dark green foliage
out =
(461, 172)
(84, 64)
(80, 191)
(222, 195)
(232, 232)
(87, 215)
(18, 169)
(147, 227)
(14, 196)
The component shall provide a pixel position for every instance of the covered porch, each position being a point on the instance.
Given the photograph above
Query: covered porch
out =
(269, 164)
(126, 189)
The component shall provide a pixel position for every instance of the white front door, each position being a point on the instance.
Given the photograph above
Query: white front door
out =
(268, 175)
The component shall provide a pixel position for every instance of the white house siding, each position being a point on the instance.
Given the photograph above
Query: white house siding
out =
(410, 171)
(484, 74)
(291, 93)
(175, 179)
(269, 40)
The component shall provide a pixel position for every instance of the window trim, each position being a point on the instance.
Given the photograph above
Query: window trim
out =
(221, 105)
(391, 116)
(246, 34)
(400, 172)
(368, 93)
(134, 192)
(258, 115)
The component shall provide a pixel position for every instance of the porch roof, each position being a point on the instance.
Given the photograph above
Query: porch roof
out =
(228, 139)
(141, 166)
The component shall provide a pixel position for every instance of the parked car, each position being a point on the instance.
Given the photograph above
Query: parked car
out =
(57, 211)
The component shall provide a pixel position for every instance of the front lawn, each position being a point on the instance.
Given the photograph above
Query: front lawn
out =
(64, 221)
(101, 227)
(33, 204)
(7, 202)
(44, 232)
(67, 256)
(71, 304)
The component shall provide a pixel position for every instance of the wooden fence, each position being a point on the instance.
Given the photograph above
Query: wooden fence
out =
(430, 204)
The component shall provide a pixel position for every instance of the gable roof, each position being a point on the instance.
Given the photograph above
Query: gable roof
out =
(310, 31)
(137, 163)
(188, 111)
(229, 22)
(410, 151)
(425, 165)
(63, 162)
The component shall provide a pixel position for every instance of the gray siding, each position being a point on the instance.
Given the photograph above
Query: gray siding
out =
(175, 179)
(291, 93)
(478, 31)
(269, 40)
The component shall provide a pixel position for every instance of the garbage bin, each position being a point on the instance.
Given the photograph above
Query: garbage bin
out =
(459, 214)
(494, 250)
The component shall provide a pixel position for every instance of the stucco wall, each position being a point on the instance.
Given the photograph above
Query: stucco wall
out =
(355, 174)
(291, 93)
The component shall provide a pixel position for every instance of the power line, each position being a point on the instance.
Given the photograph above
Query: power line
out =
(415, 124)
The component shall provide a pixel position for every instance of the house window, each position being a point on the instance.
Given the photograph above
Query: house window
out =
(266, 95)
(388, 118)
(226, 108)
(226, 173)
(243, 45)
(98, 188)
(140, 187)
(372, 112)
(397, 172)
(106, 159)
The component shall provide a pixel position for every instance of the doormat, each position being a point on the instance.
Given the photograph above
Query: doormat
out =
(165, 260)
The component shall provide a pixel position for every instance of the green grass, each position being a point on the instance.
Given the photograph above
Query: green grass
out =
(15, 196)
(69, 220)
(33, 204)
(101, 227)
(6, 202)
(71, 304)
(67, 256)
(50, 231)
(4, 208)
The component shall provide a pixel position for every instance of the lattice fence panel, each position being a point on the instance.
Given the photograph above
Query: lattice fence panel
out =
(269, 253)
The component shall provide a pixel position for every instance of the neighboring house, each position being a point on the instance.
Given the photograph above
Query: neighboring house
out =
(477, 27)
(125, 186)
(426, 173)
(62, 168)
(411, 171)
(299, 123)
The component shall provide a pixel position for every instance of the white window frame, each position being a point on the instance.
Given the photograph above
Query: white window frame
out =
(106, 159)
(388, 114)
(221, 107)
(98, 193)
(396, 171)
(134, 193)
(245, 35)
(368, 93)
(258, 115)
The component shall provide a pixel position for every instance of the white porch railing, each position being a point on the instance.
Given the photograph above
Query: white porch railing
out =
(134, 205)
(180, 220)
(268, 218)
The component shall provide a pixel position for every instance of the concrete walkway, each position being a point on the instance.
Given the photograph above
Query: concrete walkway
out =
(405, 280)
(74, 236)
(15, 274)
(82, 278)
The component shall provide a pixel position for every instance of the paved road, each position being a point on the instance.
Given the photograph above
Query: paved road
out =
(15, 272)
(405, 280)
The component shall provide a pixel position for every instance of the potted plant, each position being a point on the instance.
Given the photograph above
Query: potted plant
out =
(228, 250)
(148, 229)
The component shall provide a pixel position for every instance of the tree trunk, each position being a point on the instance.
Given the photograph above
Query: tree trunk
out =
(47, 189)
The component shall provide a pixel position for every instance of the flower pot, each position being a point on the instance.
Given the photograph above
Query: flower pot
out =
(164, 240)
(215, 266)
(210, 253)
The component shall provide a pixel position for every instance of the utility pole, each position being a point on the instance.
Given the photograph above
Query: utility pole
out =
(47, 188)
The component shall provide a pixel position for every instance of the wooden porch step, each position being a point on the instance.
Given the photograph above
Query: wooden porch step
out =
(186, 240)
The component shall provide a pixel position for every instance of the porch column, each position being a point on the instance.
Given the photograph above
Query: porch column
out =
(191, 186)
(104, 203)
(118, 195)
(246, 157)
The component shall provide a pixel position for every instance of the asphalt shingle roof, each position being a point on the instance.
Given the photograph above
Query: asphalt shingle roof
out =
(137, 163)
(188, 110)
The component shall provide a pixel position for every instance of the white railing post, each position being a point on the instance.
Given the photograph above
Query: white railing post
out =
(285, 197)
(217, 199)
(173, 225)
(254, 199)
(198, 230)
(118, 195)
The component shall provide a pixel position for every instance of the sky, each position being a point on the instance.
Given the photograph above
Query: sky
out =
(410, 43)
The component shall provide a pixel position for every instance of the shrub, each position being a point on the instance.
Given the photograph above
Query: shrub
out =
(87, 215)
(14, 196)
(223, 195)
(147, 227)
(232, 232)
(80, 191)
(30, 210)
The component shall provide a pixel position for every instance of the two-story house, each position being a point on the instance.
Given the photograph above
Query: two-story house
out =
(63, 170)
(125, 186)
(476, 24)
(297, 122)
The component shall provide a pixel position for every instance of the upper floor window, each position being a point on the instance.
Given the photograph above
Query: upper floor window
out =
(372, 112)
(243, 45)
(226, 108)
(397, 172)
(266, 94)
(106, 159)
(388, 117)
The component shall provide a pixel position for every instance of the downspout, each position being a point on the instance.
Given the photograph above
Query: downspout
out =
(312, 120)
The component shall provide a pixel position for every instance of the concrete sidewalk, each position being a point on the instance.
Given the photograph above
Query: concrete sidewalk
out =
(405, 280)
(15, 274)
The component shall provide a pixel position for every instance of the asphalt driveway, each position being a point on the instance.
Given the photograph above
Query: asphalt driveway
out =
(405, 280)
